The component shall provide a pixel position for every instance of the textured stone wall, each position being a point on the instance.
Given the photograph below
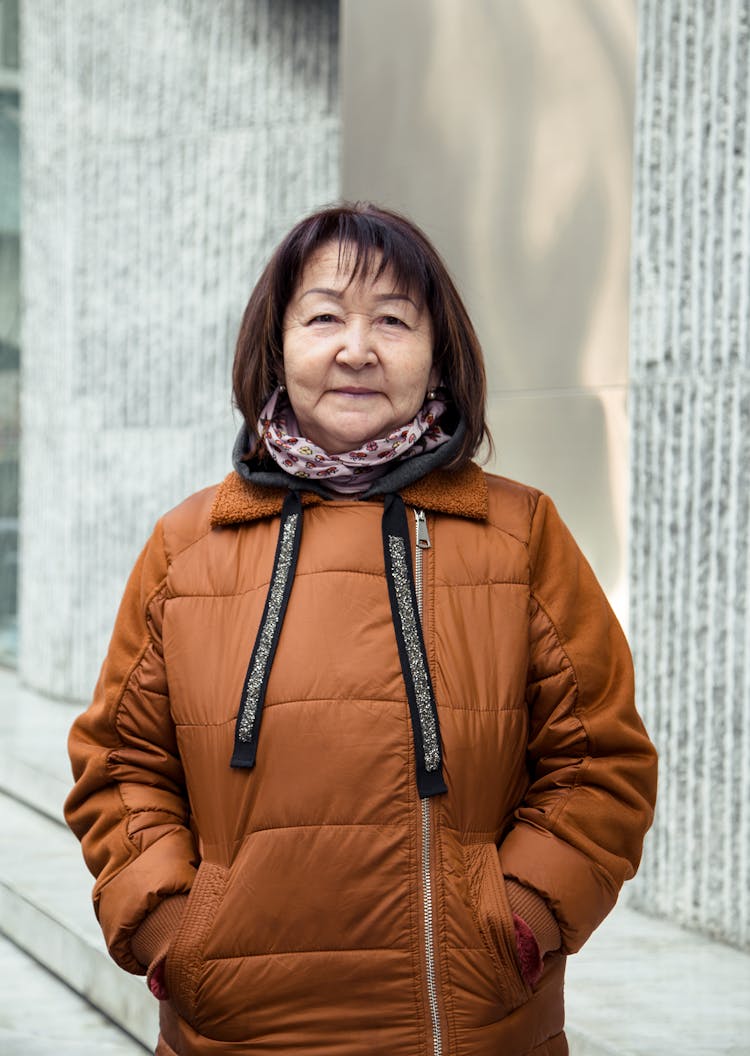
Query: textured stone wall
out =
(690, 418)
(167, 145)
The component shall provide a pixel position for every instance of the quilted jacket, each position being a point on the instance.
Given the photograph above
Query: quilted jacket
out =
(329, 738)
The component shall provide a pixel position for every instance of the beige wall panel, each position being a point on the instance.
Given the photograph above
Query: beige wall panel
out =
(574, 441)
(504, 128)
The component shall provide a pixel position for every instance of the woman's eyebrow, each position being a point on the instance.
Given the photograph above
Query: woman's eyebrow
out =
(338, 294)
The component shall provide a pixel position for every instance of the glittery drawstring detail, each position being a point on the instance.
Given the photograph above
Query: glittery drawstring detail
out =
(411, 650)
(417, 666)
(407, 627)
(259, 668)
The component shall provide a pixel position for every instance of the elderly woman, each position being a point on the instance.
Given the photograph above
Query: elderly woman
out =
(363, 764)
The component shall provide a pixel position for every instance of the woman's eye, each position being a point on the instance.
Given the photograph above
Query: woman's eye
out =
(393, 320)
(323, 317)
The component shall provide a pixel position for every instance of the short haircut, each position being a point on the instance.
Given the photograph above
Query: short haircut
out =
(371, 240)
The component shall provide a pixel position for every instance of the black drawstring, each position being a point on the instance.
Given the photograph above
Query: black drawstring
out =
(408, 627)
(406, 623)
(256, 680)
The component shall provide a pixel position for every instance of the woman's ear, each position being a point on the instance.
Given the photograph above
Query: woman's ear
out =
(434, 378)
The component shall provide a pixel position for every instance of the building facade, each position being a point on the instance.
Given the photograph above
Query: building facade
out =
(166, 147)
(10, 315)
(690, 461)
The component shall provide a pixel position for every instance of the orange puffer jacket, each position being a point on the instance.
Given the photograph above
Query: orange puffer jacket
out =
(349, 875)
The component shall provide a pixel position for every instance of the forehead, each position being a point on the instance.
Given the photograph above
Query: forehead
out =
(342, 265)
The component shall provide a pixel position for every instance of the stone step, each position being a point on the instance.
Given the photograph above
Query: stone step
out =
(69, 1026)
(45, 909)
(33, 786)
(34, 767)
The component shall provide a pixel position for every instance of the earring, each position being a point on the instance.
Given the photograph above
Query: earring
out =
(431, 394)
(282, 388)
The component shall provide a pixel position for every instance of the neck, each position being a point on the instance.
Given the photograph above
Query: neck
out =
(351, 472)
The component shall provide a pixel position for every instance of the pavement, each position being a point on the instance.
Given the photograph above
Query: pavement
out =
(640, 986)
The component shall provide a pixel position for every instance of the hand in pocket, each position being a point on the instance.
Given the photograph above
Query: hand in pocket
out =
(156, 983)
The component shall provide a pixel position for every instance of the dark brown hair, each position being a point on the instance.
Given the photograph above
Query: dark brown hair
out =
(371, 241)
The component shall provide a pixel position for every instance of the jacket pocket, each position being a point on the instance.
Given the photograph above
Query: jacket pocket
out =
(494, 919)
(185, 955)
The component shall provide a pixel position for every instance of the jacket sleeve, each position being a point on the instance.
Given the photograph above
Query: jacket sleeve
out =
(577, 835)
(128, 805)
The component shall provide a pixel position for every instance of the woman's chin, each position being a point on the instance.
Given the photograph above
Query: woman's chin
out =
(341, 447)
(351, 439)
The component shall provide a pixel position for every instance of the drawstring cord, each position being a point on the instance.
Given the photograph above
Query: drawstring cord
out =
(411, 649)
(258, 670)
(406, 624)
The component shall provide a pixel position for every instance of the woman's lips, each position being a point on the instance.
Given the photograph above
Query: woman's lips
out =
(354, 391)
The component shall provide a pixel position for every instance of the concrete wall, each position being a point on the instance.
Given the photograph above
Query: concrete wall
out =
(690, 420)
(167, 145)
(9, 337)
(504, 128)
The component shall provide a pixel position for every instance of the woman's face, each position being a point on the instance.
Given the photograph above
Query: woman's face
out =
(357, 357)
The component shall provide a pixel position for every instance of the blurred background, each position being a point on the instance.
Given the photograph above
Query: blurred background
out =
(154, 194)
(10, 325)
(583, 166)
(505, 130)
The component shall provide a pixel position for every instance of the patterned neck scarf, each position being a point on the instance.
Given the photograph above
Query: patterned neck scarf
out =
(352, 471)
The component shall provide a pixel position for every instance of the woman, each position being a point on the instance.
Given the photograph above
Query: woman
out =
(386, 829)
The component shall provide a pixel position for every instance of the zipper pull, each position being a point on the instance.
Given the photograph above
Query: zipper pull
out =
(423, 536)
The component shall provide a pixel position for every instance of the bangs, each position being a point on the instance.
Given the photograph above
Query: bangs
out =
(368, 248)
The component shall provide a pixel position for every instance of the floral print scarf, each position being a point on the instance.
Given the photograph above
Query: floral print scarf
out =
(352, 471)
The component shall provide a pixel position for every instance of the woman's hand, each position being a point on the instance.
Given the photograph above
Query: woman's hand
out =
(529, 955)
(156, 983)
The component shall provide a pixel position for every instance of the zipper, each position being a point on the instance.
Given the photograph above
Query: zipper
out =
(429, 932)
(423, 543)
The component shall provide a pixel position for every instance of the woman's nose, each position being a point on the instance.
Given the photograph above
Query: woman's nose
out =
(357, 348)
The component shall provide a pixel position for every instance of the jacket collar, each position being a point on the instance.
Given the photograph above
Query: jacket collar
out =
(462, 493)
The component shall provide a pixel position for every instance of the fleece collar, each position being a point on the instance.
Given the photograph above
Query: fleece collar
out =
(462, 493)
